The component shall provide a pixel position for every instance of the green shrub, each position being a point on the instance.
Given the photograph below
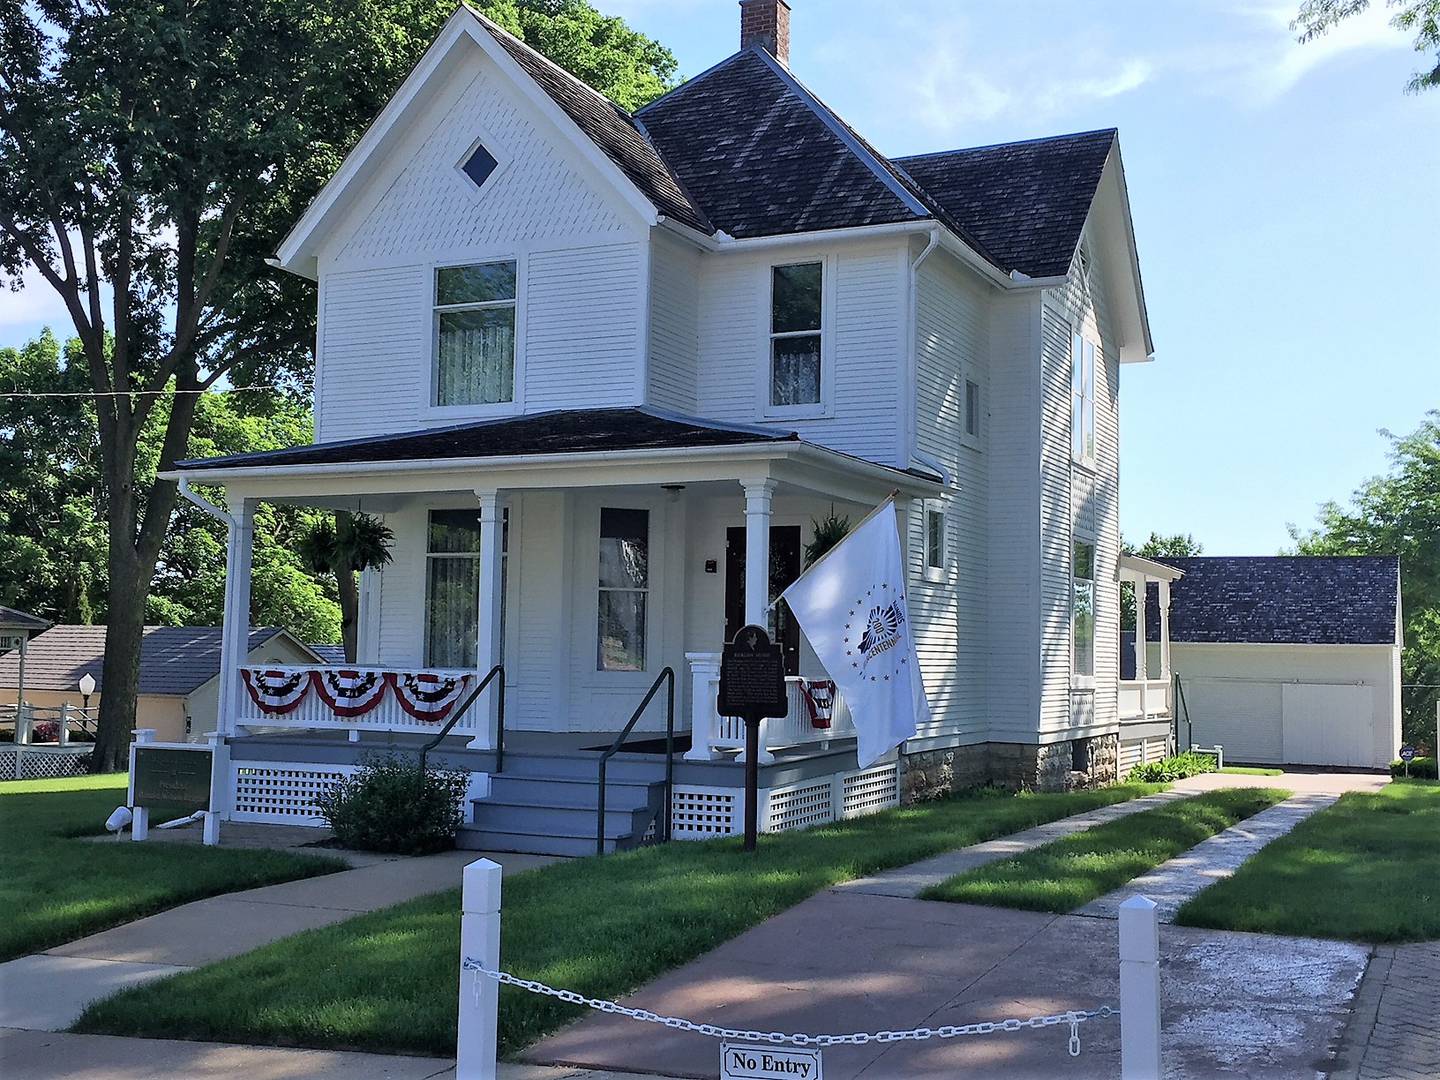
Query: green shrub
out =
(1423, 767)
(1172, 768)
(391, 806)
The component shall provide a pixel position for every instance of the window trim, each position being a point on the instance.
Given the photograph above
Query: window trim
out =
(1085, 457)
(825, 407)
(1077, 680)
(930, 572)
(975, 440)
(496, 148)
(516, 404)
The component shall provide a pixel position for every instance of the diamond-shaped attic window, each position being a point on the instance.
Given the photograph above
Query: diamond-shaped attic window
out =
(479, 165)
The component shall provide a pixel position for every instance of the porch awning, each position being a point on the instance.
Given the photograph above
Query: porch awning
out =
(572, 438)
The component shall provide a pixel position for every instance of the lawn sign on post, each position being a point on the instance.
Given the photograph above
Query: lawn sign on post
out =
(1407, 755)
(170, 774)
(752, 687)
(762, 1055)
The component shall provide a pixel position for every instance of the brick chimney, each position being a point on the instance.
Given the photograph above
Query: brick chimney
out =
(766, 23)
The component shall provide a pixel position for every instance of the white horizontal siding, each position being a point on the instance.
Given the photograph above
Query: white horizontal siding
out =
(373, 352)
(674, 326)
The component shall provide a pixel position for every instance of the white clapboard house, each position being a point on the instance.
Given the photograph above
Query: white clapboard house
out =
(602, 373)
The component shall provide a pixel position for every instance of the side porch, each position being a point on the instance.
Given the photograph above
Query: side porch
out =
(1147, 685)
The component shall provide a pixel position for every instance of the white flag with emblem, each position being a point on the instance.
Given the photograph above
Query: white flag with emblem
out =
(851, 606)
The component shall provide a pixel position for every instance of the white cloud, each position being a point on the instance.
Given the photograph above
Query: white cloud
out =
(35, 305)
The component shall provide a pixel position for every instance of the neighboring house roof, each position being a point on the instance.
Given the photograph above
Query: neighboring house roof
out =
(609, 127)
(14, 619)
(1026, 202)
(1301, 599)
(328, 654)
(559, 432)
(174, 660)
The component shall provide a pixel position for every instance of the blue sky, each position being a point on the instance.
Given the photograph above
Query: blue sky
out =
(1284, 195)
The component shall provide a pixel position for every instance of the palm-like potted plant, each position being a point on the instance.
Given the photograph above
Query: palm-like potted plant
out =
(344, 547)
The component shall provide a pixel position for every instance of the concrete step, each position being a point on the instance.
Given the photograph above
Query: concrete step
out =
(565, 791)
(583, 765)
(559, 820)
(473, 838)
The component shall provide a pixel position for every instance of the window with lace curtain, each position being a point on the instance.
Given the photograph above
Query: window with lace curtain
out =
(452, 586)
(624, 589)
(475, 334)
(795, 334)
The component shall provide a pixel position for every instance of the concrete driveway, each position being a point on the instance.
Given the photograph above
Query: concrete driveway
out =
(1235, 1004)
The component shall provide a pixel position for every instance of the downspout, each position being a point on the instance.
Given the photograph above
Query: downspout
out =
(910, 436)
(205, 504)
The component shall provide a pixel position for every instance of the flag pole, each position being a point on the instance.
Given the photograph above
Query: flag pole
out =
(895, 494)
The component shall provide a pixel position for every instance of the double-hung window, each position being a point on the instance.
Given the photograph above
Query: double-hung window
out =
(972, 411)
(1082, 614)
(934, 541)
(624, 589)
(1082, 399)
(452, 586)
(475, 334)
(795, 334)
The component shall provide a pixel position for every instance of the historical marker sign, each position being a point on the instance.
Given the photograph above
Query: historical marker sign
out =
(170, 776)
(752, 687)
(750, 1061)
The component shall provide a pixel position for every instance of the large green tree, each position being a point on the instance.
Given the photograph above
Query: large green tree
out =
(1399, 514)
(1418, 17)
(154, 153)
(52, 504)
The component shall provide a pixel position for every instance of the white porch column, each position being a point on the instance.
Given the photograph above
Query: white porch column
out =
(758, 496)
(235, 629)
(1165, 629)
(489, 633)
(1142, 648)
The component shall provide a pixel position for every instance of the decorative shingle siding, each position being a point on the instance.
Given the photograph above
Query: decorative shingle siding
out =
(1026, 202)
(1301, 599)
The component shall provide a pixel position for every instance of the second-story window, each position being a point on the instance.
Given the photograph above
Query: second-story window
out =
(475, 334)
(972, 410)
(1082, 399)
(795, 335)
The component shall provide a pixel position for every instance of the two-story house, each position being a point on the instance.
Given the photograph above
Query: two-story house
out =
(602, 374)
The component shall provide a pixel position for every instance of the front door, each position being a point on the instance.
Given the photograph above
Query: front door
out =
(784, 568)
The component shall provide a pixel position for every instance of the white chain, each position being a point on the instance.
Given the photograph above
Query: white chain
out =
(1074, 1018)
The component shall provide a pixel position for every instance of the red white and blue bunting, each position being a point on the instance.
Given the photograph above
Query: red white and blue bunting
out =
(349, 692)
(819, 695)
(427, 696)
(276, 692)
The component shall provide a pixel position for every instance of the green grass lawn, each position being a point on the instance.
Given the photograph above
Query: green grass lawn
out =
(1062, 875)
(388, 980)
(1251, 770)
(55, 887)
(1365, 869)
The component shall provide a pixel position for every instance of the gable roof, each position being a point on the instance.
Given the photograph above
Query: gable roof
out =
(15, 619)
(174, 660)
(1300, 599)
(567, 431)
(1026, 202)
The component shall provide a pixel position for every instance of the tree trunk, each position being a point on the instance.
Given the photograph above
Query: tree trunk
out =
(349, 594)
(120, 673)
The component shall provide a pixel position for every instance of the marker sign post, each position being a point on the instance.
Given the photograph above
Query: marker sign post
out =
(171, 775)
(752, 687)
(1407, 755)
(748, 1061)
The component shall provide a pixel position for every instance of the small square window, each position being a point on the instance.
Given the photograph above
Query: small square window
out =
(479, 165)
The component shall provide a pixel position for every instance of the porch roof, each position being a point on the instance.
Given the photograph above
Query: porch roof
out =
(604, 436)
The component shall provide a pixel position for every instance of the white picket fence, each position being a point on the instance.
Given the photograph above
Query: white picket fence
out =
(477, 1045)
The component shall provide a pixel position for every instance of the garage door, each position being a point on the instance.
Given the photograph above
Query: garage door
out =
(1282, 722)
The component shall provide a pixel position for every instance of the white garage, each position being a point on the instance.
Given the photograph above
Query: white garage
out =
(1289, 660)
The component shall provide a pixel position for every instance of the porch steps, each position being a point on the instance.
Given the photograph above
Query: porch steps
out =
(546, 805)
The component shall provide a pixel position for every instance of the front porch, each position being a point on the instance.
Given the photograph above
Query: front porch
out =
(582, 576)
(1146, 687)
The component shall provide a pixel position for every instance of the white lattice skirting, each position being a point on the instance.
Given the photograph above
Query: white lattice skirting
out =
(703, 812)
(282, 792)
(43, 763)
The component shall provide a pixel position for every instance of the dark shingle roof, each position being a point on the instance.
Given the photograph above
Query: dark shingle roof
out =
(763, 160)
(562, 432)
(173, 659)
(1026, 202)
(610, 127)
(329, 654)
(15, 619)
(1302, 599)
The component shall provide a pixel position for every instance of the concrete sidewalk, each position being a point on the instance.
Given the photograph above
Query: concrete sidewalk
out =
(32, 1055)
(48, 991)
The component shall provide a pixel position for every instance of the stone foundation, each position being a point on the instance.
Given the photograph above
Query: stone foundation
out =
(933, 774)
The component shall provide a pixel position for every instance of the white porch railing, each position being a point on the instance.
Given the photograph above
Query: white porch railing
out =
(711, 732)
(1141, 699)
(313, 711)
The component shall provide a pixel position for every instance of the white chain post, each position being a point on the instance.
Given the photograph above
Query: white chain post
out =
(477, 1045)
(1139, 990)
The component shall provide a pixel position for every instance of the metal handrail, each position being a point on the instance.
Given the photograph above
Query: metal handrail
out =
(498, 669)
(1189, 724)
(666, 676)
